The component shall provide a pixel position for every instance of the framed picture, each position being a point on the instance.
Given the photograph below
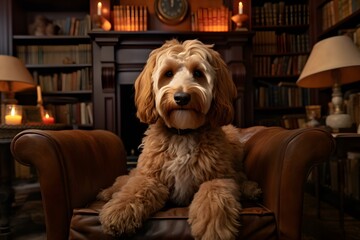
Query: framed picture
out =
(31, 114)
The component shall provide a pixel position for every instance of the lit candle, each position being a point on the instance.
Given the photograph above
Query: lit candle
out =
(240, 8)
(39, 96)
(99, 6)
(13, 118)
(47, 119)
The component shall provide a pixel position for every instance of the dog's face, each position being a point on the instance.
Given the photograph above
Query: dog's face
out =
(187, 85)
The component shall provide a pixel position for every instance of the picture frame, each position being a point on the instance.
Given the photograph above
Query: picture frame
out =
(32, 115)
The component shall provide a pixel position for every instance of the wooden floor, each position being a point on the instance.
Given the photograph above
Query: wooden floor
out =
(325, 228)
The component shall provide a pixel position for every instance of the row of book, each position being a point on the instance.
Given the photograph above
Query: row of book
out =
(79, 113)
(272, 42)
(59, 54)
(288, 65)
(279, 14)
(336, 10)
(281, 95)
(73, 26)
(351, 176)
(290, 121)
(211, 20)
(353, 107)
(65, 81)
(130, 18)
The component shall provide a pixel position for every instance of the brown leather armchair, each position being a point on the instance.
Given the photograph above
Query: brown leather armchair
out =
(74, 165)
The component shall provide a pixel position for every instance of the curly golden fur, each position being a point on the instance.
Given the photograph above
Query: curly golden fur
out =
(191, 154)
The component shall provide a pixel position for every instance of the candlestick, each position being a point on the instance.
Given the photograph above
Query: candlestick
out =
(39, 96)
(13, 115)
(240, 8)
(99, 6)
(239, 19)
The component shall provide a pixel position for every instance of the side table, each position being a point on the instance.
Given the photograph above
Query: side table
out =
(345, 142)
(7, 132)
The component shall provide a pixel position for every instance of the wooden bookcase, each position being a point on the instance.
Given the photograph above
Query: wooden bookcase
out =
(61, 63)
(331, 18)
(281, 46)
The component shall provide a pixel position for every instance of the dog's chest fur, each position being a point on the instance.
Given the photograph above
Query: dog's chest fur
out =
(187, 160)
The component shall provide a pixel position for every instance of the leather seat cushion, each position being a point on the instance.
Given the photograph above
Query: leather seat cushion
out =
(257, 221)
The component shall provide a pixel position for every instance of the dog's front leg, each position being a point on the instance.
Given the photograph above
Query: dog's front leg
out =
(138, 199)
(214, 211)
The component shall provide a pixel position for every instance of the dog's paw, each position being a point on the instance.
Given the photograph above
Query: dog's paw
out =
(119, 218)
(251, 190)
(214, 211)
(105, 195)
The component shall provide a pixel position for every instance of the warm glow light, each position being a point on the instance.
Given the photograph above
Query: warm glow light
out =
(240, 8)
(47, 119)
(99, 6)
(13, 118)
(106, 25)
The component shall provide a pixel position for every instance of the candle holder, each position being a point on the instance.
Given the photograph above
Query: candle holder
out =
(239, 19)
(13, 114)
(99, 23)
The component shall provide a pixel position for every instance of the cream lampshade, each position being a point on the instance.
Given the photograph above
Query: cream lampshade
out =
(332, 62)
(14, 77)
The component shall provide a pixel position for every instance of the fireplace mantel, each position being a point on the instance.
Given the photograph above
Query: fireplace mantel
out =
(119, 57)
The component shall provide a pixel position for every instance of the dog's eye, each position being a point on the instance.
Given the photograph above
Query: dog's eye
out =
(169, 74)
(198, 74)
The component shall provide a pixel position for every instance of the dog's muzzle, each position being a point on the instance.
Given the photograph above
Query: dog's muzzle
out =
(182, 98)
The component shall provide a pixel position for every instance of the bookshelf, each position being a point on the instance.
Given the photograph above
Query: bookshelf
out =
(281, 46)
(52, 40)
(331, 18)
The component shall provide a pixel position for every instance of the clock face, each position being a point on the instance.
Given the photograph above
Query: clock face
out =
(171, 11)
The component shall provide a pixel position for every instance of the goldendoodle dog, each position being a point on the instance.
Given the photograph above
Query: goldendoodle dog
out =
(191, 155)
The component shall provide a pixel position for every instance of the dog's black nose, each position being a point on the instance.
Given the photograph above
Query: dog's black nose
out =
(182, 98)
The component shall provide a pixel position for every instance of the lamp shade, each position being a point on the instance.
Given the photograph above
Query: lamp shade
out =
(14, 76)
(332, 60)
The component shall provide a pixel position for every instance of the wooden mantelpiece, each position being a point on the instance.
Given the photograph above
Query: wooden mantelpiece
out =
(119, 57)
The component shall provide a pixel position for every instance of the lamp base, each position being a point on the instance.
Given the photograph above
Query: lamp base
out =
(337, 121)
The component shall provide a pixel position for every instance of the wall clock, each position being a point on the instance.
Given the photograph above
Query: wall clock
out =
(171, 11)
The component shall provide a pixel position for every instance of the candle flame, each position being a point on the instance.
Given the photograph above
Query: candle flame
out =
(12, 112)
(47, 115)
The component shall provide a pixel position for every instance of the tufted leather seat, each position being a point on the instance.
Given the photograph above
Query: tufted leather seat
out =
(74, 165)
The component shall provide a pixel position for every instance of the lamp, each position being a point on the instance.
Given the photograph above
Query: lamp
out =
(14, 77)
(333, 61)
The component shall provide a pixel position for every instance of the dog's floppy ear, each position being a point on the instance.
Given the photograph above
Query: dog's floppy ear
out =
(222, 110)
(144, 96)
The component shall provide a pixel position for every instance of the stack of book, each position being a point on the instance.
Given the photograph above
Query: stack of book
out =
(278, 14)
(130, 18)
(279, 66)
(73, 26)
(284, 94)
(78, 80)
(271, 42)
(211, 20)
(336, 10)
(60, 54)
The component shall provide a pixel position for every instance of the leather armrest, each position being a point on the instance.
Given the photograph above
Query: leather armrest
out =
(73, 166)
(280, 161)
